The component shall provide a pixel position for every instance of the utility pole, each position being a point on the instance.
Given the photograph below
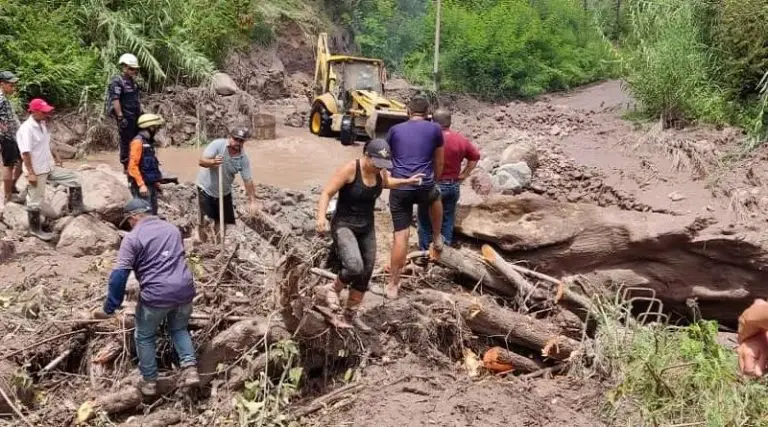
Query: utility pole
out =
(435, 70)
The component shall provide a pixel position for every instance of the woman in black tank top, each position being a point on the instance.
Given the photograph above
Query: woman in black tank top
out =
(359, 183)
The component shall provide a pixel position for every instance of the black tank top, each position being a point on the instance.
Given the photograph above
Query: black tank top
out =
(357, 201)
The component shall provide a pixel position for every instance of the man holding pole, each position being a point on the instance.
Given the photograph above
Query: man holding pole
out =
(214, 189)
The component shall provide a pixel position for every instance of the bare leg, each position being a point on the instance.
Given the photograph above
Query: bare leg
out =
(397, 261)
(8, 182)
(436, 218)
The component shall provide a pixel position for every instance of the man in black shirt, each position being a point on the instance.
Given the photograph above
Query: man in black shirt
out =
(123, 103)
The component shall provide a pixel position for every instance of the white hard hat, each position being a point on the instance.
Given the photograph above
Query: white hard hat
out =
(129, 60)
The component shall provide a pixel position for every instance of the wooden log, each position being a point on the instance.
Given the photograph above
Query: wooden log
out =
(521, 285)
(225, 347)
(475, 269)
(520, 363)
(484, 317)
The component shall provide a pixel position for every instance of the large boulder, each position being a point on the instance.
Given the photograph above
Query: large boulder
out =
(520, 152)
(56, 203)
(512, 178)
(15, 216)
(65, 151)
(104, 193)
(86, 235)
(223, 84)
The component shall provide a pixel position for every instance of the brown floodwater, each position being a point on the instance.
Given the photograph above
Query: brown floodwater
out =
(296, 159)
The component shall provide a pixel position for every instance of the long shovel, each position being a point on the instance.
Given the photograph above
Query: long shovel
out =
(221, 205)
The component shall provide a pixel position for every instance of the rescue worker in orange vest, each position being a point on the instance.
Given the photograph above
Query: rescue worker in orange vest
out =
(143, 166)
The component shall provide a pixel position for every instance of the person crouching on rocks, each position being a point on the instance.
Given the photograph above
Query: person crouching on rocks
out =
(154, 250)
(43, 165)
(143, 167)
(359, 183)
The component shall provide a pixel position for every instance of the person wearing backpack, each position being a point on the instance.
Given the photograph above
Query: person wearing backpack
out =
(143, 166)
(123, 104)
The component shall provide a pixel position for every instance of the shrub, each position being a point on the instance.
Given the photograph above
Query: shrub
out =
(668, 67)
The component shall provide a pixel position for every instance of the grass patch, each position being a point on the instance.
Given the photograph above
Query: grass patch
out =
(671, 375)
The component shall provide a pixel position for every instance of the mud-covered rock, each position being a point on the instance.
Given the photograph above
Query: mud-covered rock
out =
(7, 250)
(520, 171)
(482, 182)
(65, 151)
(223, 84)
(15, 216)
(56, 203)
(86, 235)
(506, 183)
(521, 152)
(104, 194)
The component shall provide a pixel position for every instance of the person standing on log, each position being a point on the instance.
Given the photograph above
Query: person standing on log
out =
(227, 155)
(417, 147)
(457, 149)
(9, 124)
(359, 183)
(154, 250)
(124, 105)
(143, 166)
(43, 165)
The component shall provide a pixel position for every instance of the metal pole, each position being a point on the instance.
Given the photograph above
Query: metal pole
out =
(221, 205)
(437, 45)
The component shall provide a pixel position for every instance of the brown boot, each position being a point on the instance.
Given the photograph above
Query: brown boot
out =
(352, 311)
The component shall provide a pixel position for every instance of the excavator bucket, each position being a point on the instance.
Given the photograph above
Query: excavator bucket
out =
(379, 122)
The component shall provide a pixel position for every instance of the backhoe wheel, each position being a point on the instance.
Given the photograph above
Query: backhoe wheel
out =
(320, 120)
(347, 134)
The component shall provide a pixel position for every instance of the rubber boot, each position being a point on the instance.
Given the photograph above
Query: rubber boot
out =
(35, 227)
(76, 201)
(352, 311)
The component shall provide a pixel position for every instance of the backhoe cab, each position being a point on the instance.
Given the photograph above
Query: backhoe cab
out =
(348, 97)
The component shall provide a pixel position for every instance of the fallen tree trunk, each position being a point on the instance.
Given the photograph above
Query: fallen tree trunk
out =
(515, 275)
(485, 317)
(473, 267)
(226, 347)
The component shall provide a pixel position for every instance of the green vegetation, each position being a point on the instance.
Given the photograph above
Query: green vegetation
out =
(494, 49)
(693, 59)
(66, 50)
(674, 375)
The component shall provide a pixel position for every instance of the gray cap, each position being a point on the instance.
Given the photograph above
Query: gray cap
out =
(134, 207)
(239, 133)
(378, 150)
(8, 77)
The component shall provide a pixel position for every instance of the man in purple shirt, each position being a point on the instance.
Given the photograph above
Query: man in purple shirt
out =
(154, 250)
(417, 147)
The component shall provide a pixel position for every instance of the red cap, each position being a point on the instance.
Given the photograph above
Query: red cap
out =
(38, 105)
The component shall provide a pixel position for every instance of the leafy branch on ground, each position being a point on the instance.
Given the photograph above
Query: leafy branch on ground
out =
(264, 399)
(672, 375)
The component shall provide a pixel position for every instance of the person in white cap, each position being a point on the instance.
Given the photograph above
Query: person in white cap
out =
(124, 105)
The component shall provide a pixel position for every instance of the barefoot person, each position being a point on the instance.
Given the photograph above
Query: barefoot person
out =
(227, 155)
(143, 167)
(155, 252)
(417, 147)
(457, 149)
(9, 124)
(359, 184)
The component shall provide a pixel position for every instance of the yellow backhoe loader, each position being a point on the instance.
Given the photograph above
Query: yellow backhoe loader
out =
(349, 97)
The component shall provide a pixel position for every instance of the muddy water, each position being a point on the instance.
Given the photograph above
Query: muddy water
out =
(296, 159)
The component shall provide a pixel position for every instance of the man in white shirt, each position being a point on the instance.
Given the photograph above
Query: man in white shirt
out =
(42, 165)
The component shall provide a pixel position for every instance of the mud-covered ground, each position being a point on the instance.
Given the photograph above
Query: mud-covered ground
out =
(587, 153)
